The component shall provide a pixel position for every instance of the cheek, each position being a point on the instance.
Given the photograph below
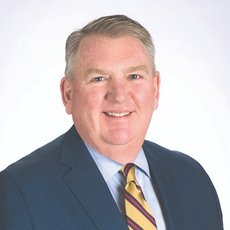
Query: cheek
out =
(87, 100)
(93, 99)
(144, 97)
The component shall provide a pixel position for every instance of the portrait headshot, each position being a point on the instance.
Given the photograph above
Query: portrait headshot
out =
(114, 115)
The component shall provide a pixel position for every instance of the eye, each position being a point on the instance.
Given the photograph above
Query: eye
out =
(98, 78)
(134, 76)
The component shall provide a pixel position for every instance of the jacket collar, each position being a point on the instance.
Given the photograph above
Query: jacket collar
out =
(165, 187)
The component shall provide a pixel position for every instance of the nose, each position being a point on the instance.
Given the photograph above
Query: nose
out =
(118, 91)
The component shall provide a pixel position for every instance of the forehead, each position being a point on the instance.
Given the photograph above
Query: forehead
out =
(97, 46)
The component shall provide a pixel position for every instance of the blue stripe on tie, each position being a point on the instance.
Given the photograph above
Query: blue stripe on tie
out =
(127, 168)
(139, 188)
(132, 200)
(133, 224)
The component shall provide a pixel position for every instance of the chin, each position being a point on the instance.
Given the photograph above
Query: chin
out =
(119, 142)
(119, 138)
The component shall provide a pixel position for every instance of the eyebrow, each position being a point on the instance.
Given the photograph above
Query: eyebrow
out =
(127, 70)
(136, 68)
(93, 70)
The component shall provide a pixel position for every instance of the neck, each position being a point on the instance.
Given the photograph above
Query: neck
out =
(122, 154)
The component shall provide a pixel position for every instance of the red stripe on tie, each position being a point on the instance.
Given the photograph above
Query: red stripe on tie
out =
(133, 224)
(127, 168)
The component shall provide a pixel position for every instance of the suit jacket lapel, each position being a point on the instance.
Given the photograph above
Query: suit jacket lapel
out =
(88, 185)
(165, 188)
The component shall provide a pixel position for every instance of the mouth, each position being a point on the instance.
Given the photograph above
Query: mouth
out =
(117, 114)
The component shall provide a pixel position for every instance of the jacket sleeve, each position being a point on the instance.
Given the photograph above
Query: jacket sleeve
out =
(13, 210)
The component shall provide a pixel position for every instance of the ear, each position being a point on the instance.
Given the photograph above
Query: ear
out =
(66, 92)
(157, 83)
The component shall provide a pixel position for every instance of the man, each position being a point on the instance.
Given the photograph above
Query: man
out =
(111, 88)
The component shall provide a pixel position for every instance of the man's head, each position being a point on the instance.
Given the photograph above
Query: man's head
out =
(112, 93)
(112, 26)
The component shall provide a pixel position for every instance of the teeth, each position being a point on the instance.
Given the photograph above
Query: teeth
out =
(118, 114)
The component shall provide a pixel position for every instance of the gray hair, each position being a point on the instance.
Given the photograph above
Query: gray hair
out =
(112, 26)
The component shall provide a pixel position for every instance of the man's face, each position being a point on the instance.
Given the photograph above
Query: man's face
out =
(114, 92)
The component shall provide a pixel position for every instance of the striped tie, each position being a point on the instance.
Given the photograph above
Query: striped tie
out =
(139, 215)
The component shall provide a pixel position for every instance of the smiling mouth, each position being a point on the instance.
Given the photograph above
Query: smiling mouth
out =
(117, 114)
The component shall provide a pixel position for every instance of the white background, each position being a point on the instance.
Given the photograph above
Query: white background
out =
(192, 42)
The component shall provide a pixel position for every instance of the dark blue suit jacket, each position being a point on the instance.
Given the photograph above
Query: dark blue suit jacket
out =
(60, 187)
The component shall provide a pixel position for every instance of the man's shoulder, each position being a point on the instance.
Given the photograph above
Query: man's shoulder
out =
(163, 151)
(168, 156)
(36, 160)
(180, 165)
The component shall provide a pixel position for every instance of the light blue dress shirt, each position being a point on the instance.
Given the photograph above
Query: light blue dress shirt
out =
(116, 182)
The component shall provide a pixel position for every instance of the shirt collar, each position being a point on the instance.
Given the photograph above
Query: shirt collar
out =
(109, 167)
(142, 162)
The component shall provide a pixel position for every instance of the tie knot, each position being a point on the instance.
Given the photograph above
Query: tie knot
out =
(128, 171)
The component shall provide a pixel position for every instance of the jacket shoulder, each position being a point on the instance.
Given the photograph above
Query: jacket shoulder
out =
(37, 159)
(181, 165)
(162, 153)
